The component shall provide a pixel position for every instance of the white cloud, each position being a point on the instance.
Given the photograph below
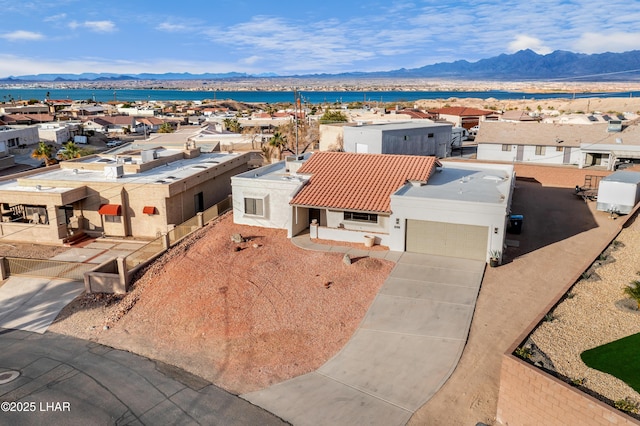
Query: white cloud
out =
(612, 42)
(172, 28)
(95, 26)
(54, 18)
(523, 42)
(21, 35)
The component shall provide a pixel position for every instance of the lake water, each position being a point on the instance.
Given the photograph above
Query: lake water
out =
(313, 97)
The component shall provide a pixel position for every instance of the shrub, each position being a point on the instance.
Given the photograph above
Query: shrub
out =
(523, 352)
(627, 404)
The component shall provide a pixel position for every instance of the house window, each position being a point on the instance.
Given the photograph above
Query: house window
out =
(429, 135)
(559, 148)
(361, 217)
(540, 150)
(254, 206)
(506, 147)
(112, 218)
(406, 137)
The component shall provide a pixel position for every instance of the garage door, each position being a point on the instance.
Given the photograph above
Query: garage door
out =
(447, 239)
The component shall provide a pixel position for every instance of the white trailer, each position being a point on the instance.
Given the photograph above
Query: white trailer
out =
(619, 192)
(80, 139)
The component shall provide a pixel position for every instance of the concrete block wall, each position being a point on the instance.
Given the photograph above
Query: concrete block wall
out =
(529, 396)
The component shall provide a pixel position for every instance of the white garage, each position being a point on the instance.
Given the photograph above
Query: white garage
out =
(447, 239)
(461, 212)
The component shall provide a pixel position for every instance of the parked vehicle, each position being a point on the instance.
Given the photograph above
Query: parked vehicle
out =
(113, 144)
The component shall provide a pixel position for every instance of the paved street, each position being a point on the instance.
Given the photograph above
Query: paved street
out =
(68, 381)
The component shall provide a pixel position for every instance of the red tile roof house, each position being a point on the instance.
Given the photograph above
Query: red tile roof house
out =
(463, 116)
(408, 203)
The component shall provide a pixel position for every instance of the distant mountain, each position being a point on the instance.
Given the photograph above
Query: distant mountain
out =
(121, 77)
(522, 65)
(528, 65)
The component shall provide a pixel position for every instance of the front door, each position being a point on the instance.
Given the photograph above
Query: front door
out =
(314, 214)
(520, 153)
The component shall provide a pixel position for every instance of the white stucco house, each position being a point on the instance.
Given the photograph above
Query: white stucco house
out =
(420, 137)
(604, 145)
(407, 202)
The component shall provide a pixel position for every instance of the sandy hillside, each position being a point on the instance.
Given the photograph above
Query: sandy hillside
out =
(241, 315)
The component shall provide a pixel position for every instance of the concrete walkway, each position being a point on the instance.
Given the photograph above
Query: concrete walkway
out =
(69, 381)
(407, 346)
(32, 303)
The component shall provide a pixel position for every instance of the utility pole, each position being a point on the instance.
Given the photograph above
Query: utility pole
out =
(295, 109)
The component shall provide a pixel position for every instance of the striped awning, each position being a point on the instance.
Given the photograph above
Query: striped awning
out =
(110, 210)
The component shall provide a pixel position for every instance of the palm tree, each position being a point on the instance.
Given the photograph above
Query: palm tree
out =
(278, 141)
(43, 152)
(633, 291)
(232, 125)
(71, 150)
(165, 128)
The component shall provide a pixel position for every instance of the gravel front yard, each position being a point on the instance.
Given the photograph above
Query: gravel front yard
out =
(595, 312)
(243, 316)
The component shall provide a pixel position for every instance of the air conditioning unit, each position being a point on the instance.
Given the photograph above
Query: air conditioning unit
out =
(113, 172)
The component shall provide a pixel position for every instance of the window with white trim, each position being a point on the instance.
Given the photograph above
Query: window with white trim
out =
(361, 217)
(254, 206)
(540, 150)
(506, 147)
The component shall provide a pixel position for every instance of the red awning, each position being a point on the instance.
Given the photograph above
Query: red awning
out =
(110, 209)
(149, 210)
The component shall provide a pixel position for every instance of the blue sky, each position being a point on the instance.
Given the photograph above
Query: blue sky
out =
(298, 37)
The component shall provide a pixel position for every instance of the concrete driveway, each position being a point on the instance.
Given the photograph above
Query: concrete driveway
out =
(32, 303)
(407, 346)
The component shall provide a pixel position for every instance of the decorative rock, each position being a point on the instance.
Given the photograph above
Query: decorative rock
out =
(256, 245)
(106, 327)
(237, 238)
(346, 259)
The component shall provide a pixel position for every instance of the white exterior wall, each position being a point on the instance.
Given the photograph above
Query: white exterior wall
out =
(409, 141)
(494, 216)
(494, 152)
(24, 135)
(55, 134)
(276, 195)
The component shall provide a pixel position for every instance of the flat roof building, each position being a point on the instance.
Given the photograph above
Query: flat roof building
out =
(135, 193)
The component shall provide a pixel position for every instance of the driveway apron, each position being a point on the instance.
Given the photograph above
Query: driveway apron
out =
(405, 349)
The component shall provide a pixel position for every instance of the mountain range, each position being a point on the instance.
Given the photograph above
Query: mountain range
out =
(519, 66)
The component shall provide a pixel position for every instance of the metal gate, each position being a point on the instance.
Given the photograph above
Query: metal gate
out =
(47, 268)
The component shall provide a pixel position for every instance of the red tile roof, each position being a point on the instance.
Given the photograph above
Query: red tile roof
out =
(361, 182)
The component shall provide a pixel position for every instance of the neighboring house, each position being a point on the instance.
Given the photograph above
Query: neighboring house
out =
(112, 124)
(138, 193)
(599, 144)
(519, 116)
(407, 138)
(148, 124)
(26, 109)
(408, 203)
(463, 116)
(57, 132)
(14, 136)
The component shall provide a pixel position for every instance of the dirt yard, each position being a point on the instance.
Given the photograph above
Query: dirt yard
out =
(243, 316)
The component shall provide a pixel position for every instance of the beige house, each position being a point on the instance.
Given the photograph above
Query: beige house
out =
(136, 193)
